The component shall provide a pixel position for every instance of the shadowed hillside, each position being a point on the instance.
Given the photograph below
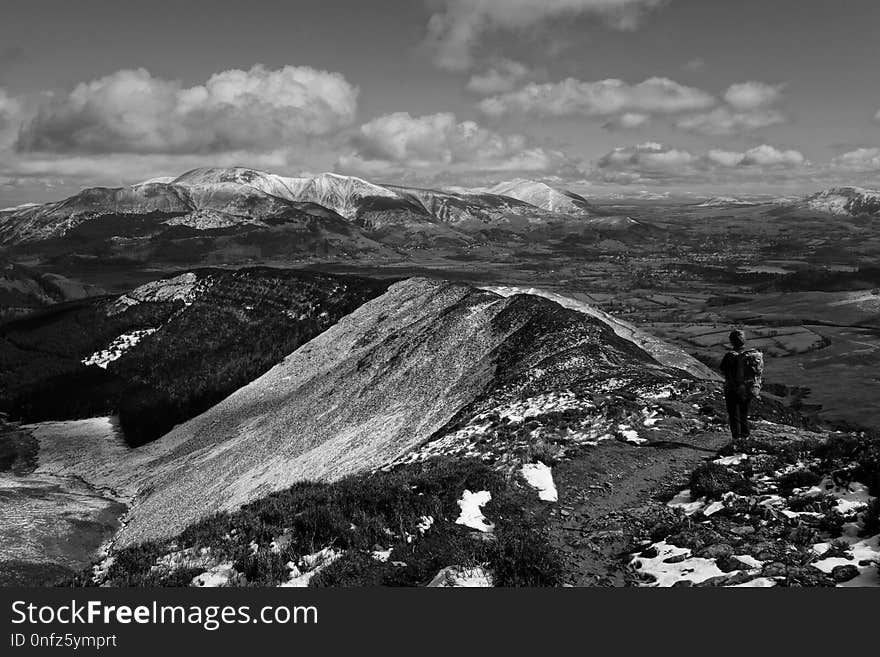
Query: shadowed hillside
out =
(169, 349)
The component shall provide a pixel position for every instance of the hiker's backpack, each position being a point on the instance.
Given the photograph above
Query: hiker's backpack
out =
(750, 371)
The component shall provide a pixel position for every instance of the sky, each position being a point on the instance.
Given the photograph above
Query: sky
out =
(709, 97)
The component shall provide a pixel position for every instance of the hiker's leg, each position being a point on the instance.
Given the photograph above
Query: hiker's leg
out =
(744, 428)
(732, 403)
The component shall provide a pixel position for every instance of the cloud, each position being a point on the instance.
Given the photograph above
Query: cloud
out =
(131, 111)
(764, 155)
(500, 78)
(752, 95)
(603, 98)
(749, 106)
(858, 160)
(456, 29)
(441, 144)
(647, 158)
(768, 156)
(11, 114)
(627, 121)
(660, 163)
(724, 121)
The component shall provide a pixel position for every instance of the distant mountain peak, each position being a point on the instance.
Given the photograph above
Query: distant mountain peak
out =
(846, 200)
(544, 196)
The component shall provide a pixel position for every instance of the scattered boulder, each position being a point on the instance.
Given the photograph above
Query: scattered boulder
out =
(719, 550)
(775, 569)
(844, 573)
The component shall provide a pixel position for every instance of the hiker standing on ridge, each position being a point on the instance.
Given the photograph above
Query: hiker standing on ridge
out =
(743, 370)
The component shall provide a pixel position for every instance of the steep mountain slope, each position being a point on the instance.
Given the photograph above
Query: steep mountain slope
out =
(544, 196)
(847, 201)
(371, 389)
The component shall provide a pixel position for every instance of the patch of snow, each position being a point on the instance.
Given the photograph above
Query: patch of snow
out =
(540, 476)
(664, 392)
(694, 569)
(309, 566)
(550, 402)
(459, 576)
(471, 513)
(219, 575)
(685, 501)
(865, 551)
(749, 560)
(650, 417)
(425, 523)
(852, 498)
(117, 348)
(630, 435)
(715, 507)
(735, 459)
(382, 555)
(797, 514)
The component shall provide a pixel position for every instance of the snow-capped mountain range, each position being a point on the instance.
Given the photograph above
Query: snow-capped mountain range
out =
(238, 198)
(211, 198)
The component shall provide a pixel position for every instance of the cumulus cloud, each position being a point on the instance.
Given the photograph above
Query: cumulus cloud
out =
(500, 78)
(752, 95)
(399, 142)
(603, 98)
(749, 106)
(746, 106)
(131, 111)
(724, 121)
(458, 26)
(768, 156)
(858, 160)
(657, 162)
